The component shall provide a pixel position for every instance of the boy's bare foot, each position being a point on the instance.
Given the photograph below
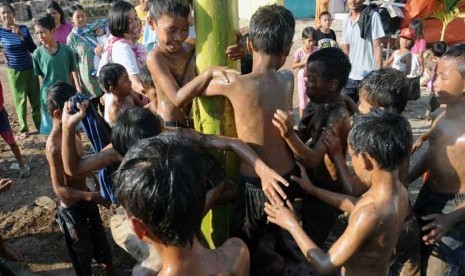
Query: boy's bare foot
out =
(24, 171)
(22, 136)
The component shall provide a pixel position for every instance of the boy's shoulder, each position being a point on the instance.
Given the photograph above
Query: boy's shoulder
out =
(53, 145)
(286, 74)
(186, 52)
(38, 51)
(64, 47)
(236, 254)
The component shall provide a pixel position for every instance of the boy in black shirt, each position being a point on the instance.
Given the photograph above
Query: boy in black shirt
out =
(325, 37)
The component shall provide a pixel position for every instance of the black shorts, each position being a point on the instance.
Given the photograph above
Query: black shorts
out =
(250, 221)
(451, 247)
(84, 235)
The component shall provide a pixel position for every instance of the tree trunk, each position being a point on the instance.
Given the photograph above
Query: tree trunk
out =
(216, 24)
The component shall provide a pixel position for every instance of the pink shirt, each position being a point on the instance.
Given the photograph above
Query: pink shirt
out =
(419, 46)
(61, 34)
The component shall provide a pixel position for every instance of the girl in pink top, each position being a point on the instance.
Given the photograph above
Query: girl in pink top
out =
(300, 61)
(419, 47)
(62, 28)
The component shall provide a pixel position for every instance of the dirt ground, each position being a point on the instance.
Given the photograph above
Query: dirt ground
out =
(31, 231)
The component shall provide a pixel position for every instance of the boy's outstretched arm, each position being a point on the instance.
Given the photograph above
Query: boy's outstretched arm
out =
(345, 203)
(360, 227)
(73, 164)
(165, 80)
(310, 157)
(270, 179)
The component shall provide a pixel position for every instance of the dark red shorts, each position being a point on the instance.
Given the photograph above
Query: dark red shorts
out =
(5, 128)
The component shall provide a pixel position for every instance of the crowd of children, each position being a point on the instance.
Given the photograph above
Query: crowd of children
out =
(293, 180)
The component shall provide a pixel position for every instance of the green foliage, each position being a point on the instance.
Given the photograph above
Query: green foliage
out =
(449, 13)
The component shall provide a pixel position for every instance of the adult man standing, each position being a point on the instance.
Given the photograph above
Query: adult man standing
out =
(361, 41)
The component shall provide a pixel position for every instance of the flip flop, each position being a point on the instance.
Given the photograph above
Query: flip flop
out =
(46, 202)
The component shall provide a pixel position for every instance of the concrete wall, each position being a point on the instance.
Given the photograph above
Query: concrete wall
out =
(248, 7)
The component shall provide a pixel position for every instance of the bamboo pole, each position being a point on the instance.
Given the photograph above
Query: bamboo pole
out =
(216, 24)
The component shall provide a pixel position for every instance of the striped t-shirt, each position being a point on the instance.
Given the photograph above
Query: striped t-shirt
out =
(17, 51)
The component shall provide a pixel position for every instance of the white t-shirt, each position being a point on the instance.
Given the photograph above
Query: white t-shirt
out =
(123, 54)
(361, 50)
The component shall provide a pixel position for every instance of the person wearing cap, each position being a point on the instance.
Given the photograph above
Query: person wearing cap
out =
(361, 41)
(402, 59)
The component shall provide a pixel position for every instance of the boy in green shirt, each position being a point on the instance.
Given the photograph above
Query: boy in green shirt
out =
(52, 62)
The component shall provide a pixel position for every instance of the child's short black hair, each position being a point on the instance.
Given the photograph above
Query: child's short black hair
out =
(46, 22)
(385, 136)
(336, 65)
(171, 8)
(58, 94)
(272, 29)
(54, 5)
(9, 6)
(325, 13)
(146, 78)
(163, 182)
(439, 48)
(457, 53)
(74, 8)
(309, 32)
(118, 18)
(132, 125)
(110, 74)
(387, 88)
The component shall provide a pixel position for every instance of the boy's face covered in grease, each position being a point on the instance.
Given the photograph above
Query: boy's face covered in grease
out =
(172, 32)
(449, 86)
(317, 87)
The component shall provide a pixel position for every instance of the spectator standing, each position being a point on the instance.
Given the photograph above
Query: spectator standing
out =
(62, 28)
(83, 41)
(17, 45)
(361, 41)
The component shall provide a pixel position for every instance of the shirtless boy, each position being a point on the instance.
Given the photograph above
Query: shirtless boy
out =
(327, 73)
(172, 62)
(156, 208)
(78, 214)
(139, 123)
(387, 89)
(441, 202)
(114, 80)
(255, 97)
(378, 143)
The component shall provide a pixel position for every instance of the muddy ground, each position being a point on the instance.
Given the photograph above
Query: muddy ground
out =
(31, 231)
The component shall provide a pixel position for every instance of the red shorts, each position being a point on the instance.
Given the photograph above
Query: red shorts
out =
(5, 128)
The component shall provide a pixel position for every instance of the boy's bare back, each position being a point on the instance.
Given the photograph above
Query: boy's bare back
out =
(255, 97)
(446, 154)
(387, 214)
(231, 258)
(117, 105)
(170, 71)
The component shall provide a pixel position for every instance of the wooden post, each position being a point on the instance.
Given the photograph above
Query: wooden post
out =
(216, 24)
